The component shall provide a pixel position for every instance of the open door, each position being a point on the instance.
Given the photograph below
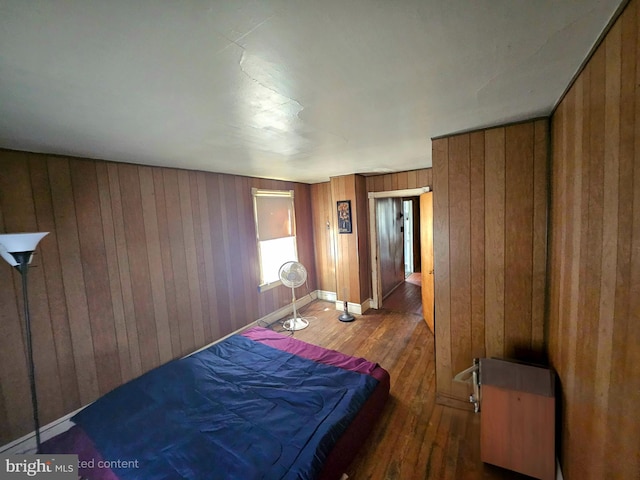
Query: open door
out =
(426, 241)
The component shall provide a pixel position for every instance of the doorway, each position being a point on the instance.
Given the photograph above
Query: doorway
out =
(407, 213)
(424, 231)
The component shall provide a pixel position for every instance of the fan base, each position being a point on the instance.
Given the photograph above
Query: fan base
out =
(295, 324)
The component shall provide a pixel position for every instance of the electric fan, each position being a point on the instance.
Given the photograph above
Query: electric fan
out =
(293, 274)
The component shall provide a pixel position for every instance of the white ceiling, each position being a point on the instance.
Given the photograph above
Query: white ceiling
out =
(298, 90)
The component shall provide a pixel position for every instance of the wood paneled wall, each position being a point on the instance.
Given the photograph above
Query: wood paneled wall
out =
(594, 273)
(324, 235)
(399, 180)
(364, 255)
(143, 265)
(391, 243)
(490, 216)
(353, 265)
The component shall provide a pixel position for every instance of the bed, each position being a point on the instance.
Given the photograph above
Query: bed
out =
(255, 405)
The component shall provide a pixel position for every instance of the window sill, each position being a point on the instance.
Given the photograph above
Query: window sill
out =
(269, 286)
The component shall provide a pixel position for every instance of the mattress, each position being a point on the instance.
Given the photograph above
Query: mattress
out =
(256, 405)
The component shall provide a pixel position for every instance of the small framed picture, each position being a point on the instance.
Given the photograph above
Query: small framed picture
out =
(344, 216)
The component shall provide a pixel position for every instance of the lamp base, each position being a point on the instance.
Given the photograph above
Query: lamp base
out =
(346, 316)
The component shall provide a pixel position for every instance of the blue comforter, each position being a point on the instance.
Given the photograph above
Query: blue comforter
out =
(237, 410)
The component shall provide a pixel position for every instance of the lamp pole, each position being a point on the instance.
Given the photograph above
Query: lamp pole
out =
(17, 249)
(23, 266)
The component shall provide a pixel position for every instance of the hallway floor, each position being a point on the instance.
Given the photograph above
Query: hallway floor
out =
(407, 297)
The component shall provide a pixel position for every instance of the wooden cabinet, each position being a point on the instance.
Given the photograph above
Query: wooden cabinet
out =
(517, 425)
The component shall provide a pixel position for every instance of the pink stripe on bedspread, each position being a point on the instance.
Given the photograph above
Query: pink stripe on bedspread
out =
(77, 442)
(309, 351)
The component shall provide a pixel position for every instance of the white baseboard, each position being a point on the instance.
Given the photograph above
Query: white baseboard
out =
(328, 296)
(284, 311)
(355, 308)
(27, 444)
(366, 305)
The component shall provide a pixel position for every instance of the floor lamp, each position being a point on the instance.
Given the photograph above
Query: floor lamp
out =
(17, 249)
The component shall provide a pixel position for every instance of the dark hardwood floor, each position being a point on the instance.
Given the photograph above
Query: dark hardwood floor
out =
(406, 297)
(415, 438)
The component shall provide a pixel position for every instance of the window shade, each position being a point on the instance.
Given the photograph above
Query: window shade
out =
(274, 214)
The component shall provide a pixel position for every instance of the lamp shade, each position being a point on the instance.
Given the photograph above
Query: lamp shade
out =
(18, 242)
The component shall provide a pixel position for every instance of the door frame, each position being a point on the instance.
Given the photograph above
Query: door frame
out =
(376, 280)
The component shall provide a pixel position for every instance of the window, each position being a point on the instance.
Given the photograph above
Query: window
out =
(276, 232)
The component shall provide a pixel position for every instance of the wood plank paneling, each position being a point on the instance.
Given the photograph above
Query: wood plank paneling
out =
(66, 233)
(143, 265)
(477, 194)
(399, 180)
(618, 383)
(441, 253)
(324, 236)
(390, 241)
(347, 274)
(123, 271)
(487, 255)
(200, 256)
(460, 257)
(117, 305)
(608, 287)
(594, 266)
(54, 287)
(166, 261)
(94, 266)
(138, 265)
(212, 327)
(627, 314)
(539, 255)
(494, 238)
(154, 253)
(232, 243)
(305, 229)
(362, 231)
(216, 225)
(191, 259)
(518, 240)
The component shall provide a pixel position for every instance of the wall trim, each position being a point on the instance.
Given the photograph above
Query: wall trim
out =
(407, 192)
(27, 443)
(505, 123)
(328, 296)
(355, 308)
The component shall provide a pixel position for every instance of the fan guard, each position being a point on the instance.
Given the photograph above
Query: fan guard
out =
(293, 275)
